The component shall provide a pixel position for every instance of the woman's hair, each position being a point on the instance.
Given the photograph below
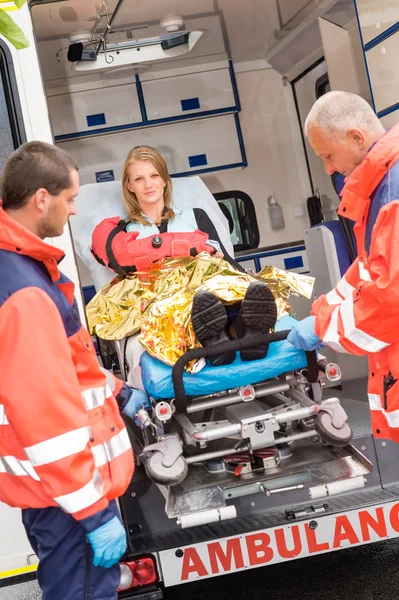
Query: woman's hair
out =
(129, 198)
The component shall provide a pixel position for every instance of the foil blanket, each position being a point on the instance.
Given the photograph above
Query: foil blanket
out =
(157, 303)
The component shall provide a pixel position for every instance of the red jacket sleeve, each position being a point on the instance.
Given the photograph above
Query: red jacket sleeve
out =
(42, 398)
(367, 321)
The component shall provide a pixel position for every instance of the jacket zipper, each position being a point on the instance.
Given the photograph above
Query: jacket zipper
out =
(389, 381)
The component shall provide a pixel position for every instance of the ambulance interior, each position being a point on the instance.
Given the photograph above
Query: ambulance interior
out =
(222, 88)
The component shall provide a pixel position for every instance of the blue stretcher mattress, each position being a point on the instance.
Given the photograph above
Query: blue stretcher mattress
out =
(281, 358)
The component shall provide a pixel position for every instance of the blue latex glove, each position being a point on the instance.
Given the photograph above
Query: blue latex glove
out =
(108, 543)
(303, 335)
(137, 400)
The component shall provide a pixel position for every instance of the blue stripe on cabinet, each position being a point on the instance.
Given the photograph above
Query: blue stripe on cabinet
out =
(199, 160)
(190, 104)
(293, 262)
(96, 120)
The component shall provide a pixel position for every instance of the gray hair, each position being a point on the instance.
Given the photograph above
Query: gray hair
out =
(336, 112)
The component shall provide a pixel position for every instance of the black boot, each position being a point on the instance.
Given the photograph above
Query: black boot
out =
(209, 319)
(258, 314)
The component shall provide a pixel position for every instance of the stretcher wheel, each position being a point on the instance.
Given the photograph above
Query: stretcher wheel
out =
(330, 434)
(158, 473)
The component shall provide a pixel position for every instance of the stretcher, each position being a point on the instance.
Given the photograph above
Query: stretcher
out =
(248, 427)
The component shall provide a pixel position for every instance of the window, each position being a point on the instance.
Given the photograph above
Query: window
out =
(322, 86)
(239, 210)
(12, 133)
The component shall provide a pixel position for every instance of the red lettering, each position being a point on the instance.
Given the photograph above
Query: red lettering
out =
(233, 550)
(259, 551)
(313, 544)
(192, 564)
(367, 522)
(344, 531)
(282, 544)
(394, 517)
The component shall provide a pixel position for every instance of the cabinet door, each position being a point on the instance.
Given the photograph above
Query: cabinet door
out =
(94, 109)
(188, 94)
(189, 146)
(382, 61)
(376, 17)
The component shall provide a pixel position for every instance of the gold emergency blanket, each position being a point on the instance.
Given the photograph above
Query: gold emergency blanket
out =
(158, 302)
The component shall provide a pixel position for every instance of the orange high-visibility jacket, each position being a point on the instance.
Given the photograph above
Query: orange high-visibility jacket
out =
(361, 315)
(62, 440)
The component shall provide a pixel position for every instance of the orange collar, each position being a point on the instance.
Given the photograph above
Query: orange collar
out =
(365, 178)
(15, 238)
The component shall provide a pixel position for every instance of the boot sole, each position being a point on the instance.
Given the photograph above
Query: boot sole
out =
(209, 319)
(258, 314)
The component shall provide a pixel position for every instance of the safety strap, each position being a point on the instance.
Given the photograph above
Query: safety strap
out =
(113, 263)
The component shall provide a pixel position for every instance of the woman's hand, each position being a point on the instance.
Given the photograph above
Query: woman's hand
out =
(218, 254)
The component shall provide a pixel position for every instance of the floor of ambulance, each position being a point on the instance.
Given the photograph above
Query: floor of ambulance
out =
(373, 568)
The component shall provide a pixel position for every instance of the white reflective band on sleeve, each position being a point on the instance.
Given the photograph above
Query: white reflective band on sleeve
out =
(3, 417)
(331, 336)
(392, 416)
(116, 446)
(345, 288)
(83, 498)
(110, 379)
(356, 336)
(333, 298)
(95, 397)
(58, 447)
(363, 272)
(14, 466)
(375, 401)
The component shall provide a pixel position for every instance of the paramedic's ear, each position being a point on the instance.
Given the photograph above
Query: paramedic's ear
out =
(42, 200)
(356, 136)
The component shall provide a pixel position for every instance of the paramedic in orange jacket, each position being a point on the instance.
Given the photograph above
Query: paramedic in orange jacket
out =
(361, 315)
(65, 454)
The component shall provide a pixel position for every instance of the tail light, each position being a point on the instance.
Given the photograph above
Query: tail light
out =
(137, 573)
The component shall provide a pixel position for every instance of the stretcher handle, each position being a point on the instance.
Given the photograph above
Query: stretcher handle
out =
(313, 368)
(222, 348)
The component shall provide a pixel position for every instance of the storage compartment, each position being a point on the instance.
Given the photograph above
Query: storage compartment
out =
(376, 17)
(188, 94)
(382, 61)
(93, 110)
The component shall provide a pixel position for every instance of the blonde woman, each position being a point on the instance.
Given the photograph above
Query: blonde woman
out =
(147, 193)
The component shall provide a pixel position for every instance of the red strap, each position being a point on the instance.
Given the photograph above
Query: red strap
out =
(180, 248)
(143, 263)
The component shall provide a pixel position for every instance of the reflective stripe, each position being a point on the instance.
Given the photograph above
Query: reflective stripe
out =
(3, 416)
(116, 446)
(391, 416)
(14, 466)
(375, 401)
(110, 379)
(331, 336)
(333, 298)
(95, 397)
(356, 336)
(83, 498)
(363, 272)
(58, 447)
(345, 288)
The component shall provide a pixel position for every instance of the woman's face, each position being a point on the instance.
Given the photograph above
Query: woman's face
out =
(146, 183)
